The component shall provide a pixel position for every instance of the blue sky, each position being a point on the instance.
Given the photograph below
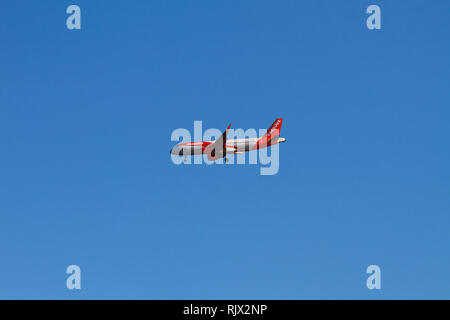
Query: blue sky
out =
(86, 177)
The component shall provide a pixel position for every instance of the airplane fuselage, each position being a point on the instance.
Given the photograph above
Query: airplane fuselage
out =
(232, 146)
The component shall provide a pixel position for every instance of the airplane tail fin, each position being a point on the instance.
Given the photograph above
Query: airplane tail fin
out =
(272, 134)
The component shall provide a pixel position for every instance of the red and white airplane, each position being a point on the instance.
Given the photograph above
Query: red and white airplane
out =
(221, 147)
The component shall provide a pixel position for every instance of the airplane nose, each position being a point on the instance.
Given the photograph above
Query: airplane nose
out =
(176, 151)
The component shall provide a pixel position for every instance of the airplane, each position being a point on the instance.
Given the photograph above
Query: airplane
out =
(222, 146)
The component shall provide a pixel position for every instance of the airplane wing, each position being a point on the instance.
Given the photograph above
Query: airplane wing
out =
(217, 149)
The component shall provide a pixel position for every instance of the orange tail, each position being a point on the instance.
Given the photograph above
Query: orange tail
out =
(271, 135)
